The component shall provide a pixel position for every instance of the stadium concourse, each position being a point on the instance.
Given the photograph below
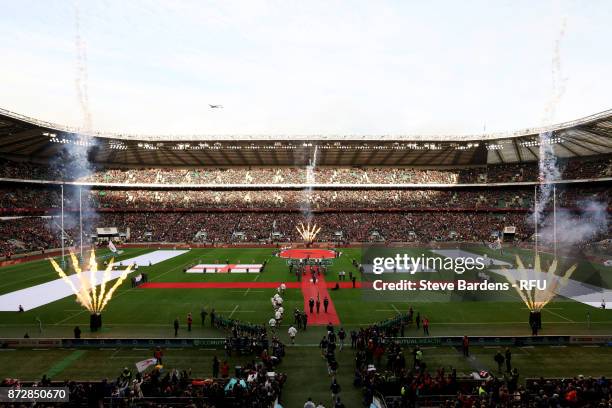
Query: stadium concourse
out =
(236, 310)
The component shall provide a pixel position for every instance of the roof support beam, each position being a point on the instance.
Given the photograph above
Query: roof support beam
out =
(581, 145)
(517, 149)
(499, 156)
(568, 149)
(535, 156)
(404, 156)
(225, 157)
(13, 141)
(209, 158)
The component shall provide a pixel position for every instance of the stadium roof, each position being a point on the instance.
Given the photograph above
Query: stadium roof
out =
(25, 137)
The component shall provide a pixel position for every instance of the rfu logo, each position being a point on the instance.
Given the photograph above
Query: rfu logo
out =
(529, 284)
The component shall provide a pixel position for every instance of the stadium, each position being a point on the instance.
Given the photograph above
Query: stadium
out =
(214, 227)
(322, 205)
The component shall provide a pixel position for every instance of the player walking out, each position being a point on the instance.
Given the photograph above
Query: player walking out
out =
(341, 337)
(292, 332)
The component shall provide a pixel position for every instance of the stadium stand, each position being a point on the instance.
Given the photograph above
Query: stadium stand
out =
(423, 215)
(571, 169)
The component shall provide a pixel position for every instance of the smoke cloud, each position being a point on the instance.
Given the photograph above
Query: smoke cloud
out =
(573, 229)
(306, 205)
(591, 219)
(81, 75)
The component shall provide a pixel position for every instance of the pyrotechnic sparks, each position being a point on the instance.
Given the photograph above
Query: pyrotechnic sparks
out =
(308, 232)
(536, 298)
(87, 294)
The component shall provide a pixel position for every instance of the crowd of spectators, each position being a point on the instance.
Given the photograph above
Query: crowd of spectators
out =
(318, 199)
(570, 169)
(570, 392)
(255, 386)
(34, 233)
(415, 387)
(18, 195)
(27, 234)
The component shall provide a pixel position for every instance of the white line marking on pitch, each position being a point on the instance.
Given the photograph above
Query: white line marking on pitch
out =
(233, 311)
(558, 315)
(252, 290)
(395, 308)
(249, 289)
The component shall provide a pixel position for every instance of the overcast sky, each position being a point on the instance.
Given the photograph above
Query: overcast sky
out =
(308, 67)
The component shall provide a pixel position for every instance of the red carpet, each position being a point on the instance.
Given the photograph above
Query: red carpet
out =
(304, 253)
(311, 290)
(308, 290)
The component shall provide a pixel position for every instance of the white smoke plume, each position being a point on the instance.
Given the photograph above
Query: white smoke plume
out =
(548, 170)
(548, 174)
(562, 227)
(74, 159)
(559, 82)
(81, 77)
(306, 205)
(573, 229)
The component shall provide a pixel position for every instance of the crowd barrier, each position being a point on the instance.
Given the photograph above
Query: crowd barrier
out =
(113, 343)
(516, 341)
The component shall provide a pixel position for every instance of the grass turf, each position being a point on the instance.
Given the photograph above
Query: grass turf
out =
(137, 312)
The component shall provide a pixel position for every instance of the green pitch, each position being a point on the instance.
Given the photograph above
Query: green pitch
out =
(138, 312)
